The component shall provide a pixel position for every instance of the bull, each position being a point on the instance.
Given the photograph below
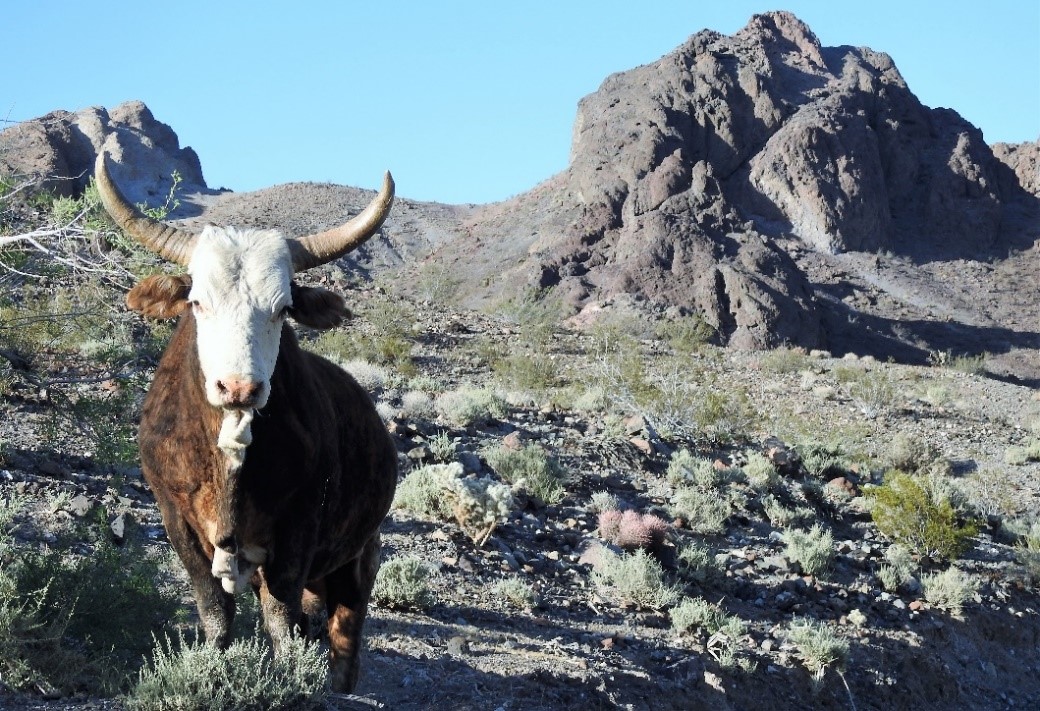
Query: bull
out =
(269, 464)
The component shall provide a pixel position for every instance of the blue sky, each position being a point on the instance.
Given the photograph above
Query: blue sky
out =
(464, 101)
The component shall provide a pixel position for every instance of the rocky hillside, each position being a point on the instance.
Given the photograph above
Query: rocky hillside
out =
(723, 178)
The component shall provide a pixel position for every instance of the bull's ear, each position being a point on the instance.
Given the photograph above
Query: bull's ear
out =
(317, 308)
(160, 296)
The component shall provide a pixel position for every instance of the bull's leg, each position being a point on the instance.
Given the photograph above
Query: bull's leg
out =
(280, 603)
(348, 592)
(216, 607)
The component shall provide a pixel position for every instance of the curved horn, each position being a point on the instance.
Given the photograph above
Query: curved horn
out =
(168, 242)
(315, 250)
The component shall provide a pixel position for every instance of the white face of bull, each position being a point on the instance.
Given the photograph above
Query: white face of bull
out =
(240, 294)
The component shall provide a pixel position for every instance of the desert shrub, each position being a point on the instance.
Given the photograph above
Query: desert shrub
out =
(703, 511)
(696, 562)
(1027, 548)
(812, 550)
(467, 406)
(760, 472)
(898, 569)
(78, 622)
(685, 468)
(818, 646)
(964, 363)
(634, 579)
(516, 591)
(421, 492)
(873, 392)
(1019, 455)
(245, 676)
(442, 446)
(686, 334)
(725, 417)
(911, 454)
(906, 509)
(949, 589)
(534, 314)
(440, 491)
(631, 530)
(530, 469)
(783, 516)
(527, 372)
(697, 613)
(820, 458)
(724, 631)
(478, 504)
(371, 376)
(416, 405)
(403, 584)
(603, 501)
(782, 361)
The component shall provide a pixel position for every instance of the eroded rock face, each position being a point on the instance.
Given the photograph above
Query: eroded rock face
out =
(61, 148)
(685, 172)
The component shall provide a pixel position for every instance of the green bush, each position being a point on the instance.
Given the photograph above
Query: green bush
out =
(634, 579)
(530, 469)
(469, 406)
(705, 511)
(516, 592)
(402, 584)
(244, 677)
(819, 647)
(906, 509)
(813, 550)
(71, 622)
(949, 589)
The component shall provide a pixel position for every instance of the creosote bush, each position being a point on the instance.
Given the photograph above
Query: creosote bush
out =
(244, 677)
(908, 510)
(72, 622)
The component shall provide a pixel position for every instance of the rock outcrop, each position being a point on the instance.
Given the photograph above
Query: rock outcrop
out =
(691, 178)
(60, 149)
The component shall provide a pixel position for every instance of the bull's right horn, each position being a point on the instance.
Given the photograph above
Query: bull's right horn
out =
(314, 250)
(168, 242)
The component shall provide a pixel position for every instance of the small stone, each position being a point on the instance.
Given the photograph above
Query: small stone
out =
(420, 454)
(916, 605)
(458, 646)
(80, 506)
(512, 441)
(642, 445)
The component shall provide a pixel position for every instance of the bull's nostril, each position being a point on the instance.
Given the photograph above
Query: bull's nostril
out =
(221, 387)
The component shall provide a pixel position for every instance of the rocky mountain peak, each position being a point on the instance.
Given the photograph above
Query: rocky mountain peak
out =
(60, 148)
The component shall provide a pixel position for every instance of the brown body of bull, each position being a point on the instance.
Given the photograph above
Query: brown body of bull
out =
(316, 482)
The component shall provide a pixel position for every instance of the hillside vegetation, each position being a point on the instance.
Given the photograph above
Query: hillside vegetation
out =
(624, 516)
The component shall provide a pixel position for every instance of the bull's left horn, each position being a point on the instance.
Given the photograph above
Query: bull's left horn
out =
(168, 242)
(315, 250)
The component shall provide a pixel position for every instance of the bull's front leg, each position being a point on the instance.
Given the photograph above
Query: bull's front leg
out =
(281, 591)
(216, 606)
